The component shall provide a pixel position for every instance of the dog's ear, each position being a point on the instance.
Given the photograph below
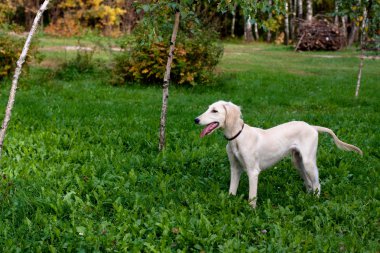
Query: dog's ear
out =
(233, 114)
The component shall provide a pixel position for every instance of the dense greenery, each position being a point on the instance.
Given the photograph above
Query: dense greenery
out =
(74, 68)
(197, 49)
(117, 17)
(81, 171)
(10, 50)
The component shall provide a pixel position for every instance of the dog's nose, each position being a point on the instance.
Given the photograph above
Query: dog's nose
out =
(196, 121)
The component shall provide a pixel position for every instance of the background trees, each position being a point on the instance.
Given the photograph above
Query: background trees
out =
(268, 20)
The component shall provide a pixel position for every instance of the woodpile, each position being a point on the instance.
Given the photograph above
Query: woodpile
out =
(319, 34)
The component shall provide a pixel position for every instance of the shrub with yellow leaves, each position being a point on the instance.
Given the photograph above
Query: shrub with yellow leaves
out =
(196, 54)
(10, 50)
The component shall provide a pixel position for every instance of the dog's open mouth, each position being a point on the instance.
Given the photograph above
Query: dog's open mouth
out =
(209, 128)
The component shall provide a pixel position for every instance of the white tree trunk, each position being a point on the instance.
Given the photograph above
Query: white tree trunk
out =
(256, 31)
(362, 38)
(336, 20)
(286, 23)
(20, 62)
(165, 86)
(344, 28)
(359, 75)
(233, 21)
(309, 10)
(300, 9)
(248, 30)
(292, 5)
(269, 34)
(353, 33)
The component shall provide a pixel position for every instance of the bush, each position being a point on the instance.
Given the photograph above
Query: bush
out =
(196, 54)
(10, 50)
(64, 27)
(83, 63)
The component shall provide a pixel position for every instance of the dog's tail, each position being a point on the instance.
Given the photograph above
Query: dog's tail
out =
(340, 144)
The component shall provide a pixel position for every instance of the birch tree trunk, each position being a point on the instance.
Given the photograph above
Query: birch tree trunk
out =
(300, 9)
(292, 8)
(269, 34)
(344, 28)
(256, 31)
(233, 21)
(248, 30)
(362, 38)
(165, 86)
(336, 19)
(20, 62)
(353, 34)
(309, 10)
(286, 23)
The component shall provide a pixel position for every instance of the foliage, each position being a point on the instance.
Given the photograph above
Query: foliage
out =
(6, 11)
(374, 21)
(10, 49)
(66, 27)
(115, 18)
(197, 51)
(193, 63)
(82, 63)
(273, 24)
(81, 171)
(354, 9)
(78, 14)
(258, 11)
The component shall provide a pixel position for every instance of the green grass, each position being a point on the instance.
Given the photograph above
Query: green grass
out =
(81, 171)
(90, 39)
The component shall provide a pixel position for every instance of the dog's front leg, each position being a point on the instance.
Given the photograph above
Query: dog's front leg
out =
(235, 172)
(253, 177)
(235, 178)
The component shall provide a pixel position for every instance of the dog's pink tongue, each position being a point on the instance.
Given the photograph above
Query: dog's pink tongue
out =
(208, 129)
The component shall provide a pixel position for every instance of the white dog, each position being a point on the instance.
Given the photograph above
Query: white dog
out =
(254, 149)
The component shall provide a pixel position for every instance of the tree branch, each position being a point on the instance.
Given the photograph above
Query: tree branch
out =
(165, 86)
(20, 62)
(363, 28)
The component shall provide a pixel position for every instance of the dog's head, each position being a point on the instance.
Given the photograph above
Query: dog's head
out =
(220, 114)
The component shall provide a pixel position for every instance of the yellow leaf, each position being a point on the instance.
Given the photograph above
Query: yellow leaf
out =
(145, 71)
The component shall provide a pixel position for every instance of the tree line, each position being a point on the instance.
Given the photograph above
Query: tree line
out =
(72, 17)
(252, 20)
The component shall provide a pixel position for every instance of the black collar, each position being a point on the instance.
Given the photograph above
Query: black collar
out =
(234, 137)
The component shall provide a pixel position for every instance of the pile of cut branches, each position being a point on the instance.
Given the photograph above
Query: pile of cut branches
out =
(319, 34)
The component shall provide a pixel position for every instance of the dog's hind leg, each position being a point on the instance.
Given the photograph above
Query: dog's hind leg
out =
(313, 176)
(298, 163)
(309, 163)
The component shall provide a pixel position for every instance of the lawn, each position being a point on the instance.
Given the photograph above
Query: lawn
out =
(81, 171)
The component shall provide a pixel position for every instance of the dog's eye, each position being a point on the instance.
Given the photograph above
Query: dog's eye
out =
(214, 111)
